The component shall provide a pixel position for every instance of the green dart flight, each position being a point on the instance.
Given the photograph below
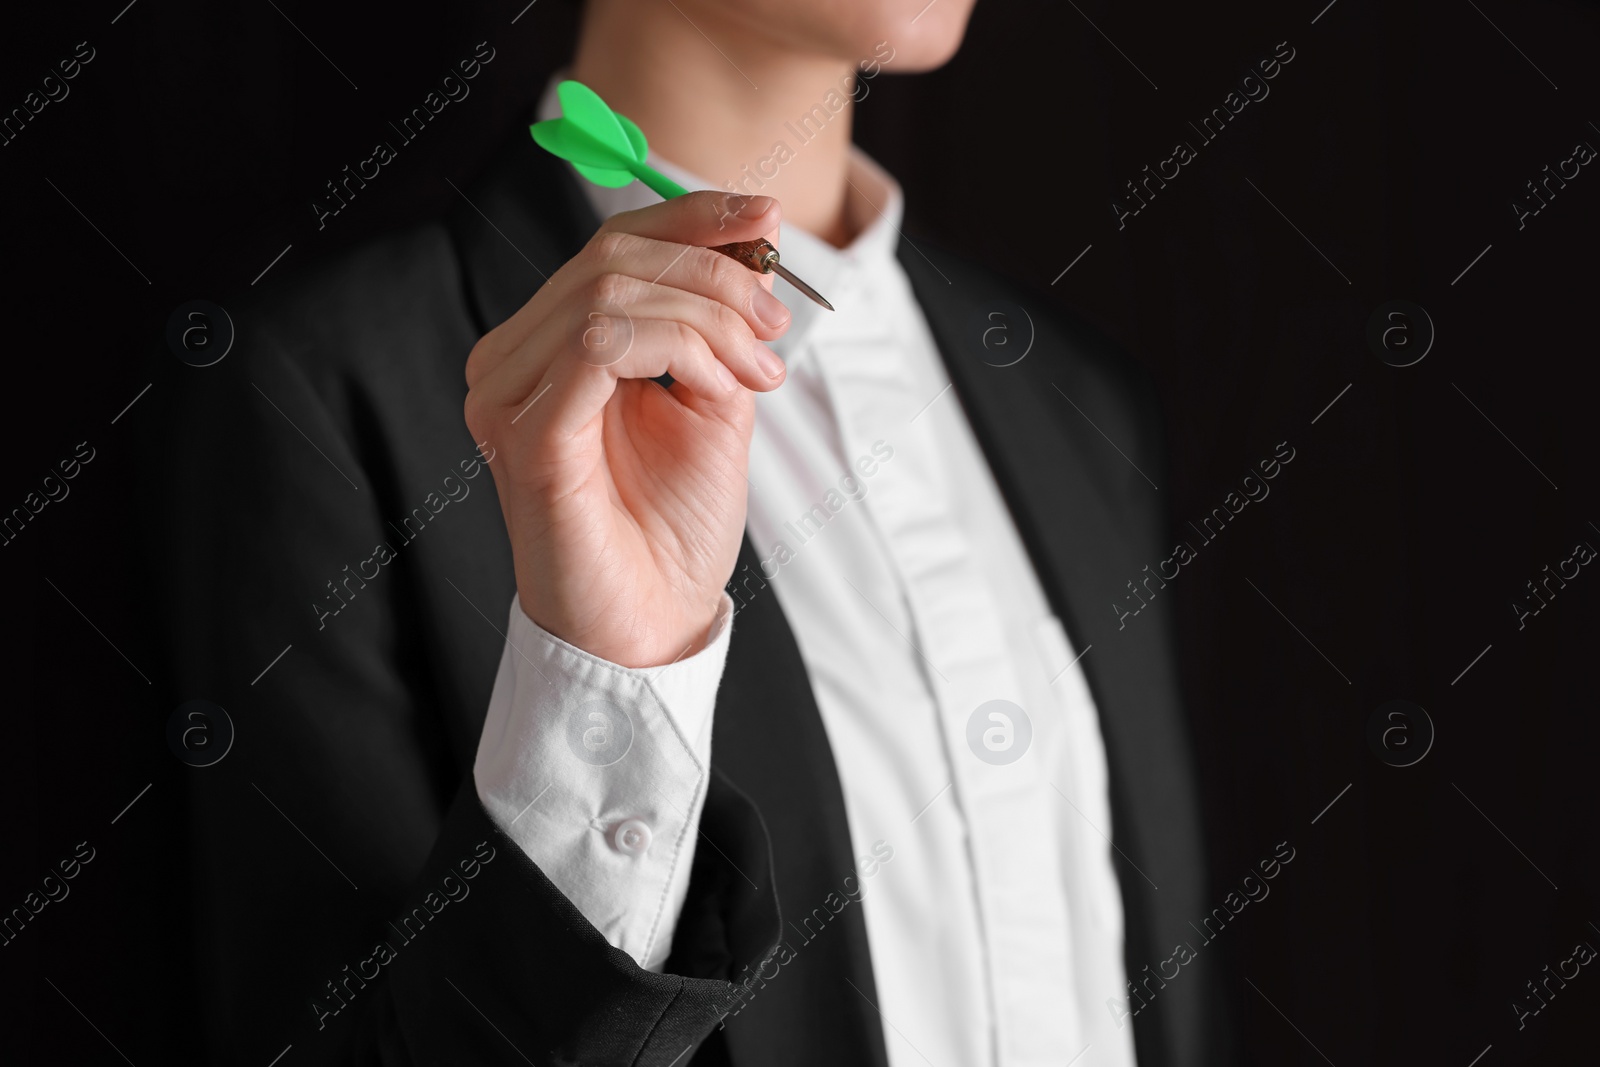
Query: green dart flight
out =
(605, 147)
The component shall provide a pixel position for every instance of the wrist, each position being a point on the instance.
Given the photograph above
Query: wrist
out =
(647, 647)
(695, 639)
(702, 636)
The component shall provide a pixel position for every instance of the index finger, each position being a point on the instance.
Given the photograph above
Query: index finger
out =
(705, 218)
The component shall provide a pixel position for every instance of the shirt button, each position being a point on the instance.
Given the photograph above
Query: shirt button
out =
(631, 837)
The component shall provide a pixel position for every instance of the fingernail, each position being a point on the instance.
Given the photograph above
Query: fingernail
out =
(747, 207)
(726, 379)
(769, 361)
(769, 309)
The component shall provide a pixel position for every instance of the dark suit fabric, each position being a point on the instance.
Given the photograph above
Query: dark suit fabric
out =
(348, 802)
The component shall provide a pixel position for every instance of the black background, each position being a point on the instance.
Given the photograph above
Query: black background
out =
(1384, 561)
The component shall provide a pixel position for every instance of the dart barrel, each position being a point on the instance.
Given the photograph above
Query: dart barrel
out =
(758, 255)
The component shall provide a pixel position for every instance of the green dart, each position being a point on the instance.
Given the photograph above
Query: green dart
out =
(609, 149)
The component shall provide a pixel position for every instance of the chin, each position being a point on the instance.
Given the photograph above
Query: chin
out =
(920, 36)
(926, 44)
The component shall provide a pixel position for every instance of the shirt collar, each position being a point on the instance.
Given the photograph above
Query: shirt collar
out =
(875, 204)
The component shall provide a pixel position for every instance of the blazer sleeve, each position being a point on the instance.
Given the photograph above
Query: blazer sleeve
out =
(351, 897)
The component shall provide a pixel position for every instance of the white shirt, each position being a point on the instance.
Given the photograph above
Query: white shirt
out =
(996, 927)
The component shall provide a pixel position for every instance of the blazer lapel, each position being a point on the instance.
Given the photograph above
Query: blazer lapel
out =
(769, 739)
(521, 221)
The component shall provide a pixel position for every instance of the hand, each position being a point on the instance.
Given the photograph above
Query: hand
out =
(625, 501)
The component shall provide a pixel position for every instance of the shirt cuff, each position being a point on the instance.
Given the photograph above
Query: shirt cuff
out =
(598, 772)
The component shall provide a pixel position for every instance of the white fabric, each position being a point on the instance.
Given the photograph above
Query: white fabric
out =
(996, 926)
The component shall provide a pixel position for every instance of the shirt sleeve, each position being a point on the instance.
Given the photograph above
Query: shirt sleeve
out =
(598, 772)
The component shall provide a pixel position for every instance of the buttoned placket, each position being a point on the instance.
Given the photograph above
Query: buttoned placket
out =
(954, 624)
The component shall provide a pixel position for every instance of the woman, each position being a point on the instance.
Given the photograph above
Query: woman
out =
(873, 862)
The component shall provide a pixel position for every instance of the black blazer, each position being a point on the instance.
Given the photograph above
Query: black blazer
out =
(353, 899)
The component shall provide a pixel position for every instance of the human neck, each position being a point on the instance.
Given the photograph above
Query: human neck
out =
(702, 112)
